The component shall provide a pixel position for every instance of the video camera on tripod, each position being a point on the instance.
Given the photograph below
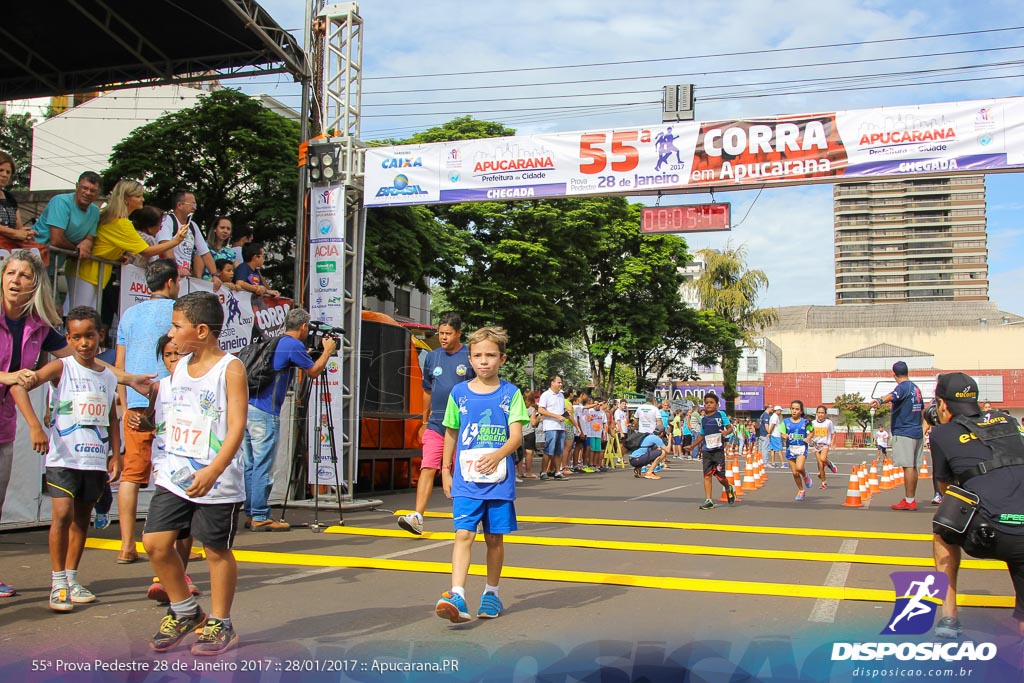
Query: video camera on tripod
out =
(318, 331)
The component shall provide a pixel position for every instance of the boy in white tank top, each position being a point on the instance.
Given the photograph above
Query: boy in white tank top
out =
(83, 448)
(199, 484)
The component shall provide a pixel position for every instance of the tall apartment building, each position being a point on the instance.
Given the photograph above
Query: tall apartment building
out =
(911, 240)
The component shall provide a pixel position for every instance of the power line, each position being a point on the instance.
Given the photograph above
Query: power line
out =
(702, 73)
(711, 56)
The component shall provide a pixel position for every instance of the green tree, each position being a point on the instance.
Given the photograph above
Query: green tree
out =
(16, 140)
(410, 245)
(854, 411)
(729, 289)
(235, 154)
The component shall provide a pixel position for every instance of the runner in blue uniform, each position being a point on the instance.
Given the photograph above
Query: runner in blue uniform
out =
(796, 435)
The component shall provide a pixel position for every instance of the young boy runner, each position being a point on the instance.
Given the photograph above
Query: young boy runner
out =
(484, 427)
(168, 354)
(83, 447)
(714, 427)
(199, 483)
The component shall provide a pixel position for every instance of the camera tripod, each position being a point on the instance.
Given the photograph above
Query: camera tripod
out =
(315, 396)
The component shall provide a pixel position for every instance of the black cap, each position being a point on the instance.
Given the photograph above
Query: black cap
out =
(900, 368)
(959, 391)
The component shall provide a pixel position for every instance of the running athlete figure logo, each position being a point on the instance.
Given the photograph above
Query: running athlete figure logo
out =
(663, 144)
(234, 310)
(916, 606)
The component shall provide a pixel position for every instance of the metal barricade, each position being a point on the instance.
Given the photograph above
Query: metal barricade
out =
(57, 271)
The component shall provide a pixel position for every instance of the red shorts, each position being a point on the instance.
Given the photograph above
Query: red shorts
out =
(433, 450)
(138, 451)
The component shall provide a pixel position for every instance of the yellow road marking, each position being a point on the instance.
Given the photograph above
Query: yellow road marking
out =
(692, 526)
(564, 576)
(679, 549)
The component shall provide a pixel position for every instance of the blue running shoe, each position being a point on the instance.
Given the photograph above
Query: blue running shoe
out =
(102, 520)
(452, 607)
(490, 606)
(658, 468)
(948, 627)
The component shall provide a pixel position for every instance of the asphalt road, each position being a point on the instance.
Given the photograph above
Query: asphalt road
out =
(608, 574)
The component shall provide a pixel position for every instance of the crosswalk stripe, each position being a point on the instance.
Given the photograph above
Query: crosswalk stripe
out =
(678, 549)
(719, 586)
(693, 526)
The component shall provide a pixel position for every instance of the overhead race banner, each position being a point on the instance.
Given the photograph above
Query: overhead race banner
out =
(954, 137)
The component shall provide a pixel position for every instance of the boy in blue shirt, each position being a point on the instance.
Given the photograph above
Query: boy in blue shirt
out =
(483, 429)
(714, 427)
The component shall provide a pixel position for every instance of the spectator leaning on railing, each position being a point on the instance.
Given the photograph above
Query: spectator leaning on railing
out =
(69, 221)
(115, 236)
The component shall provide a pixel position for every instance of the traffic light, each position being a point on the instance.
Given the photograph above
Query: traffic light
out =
(323, 162)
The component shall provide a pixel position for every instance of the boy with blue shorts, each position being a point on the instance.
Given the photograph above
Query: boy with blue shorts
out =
(484, 427)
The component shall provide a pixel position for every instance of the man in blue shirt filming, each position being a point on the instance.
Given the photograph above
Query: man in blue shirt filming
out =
(259, 445)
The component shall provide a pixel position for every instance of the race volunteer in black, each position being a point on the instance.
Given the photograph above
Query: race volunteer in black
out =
(976, 459)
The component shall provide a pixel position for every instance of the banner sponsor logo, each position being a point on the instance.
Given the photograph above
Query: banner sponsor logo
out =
(401, 162)
(400, 186)
(326, 198)
(326, 266)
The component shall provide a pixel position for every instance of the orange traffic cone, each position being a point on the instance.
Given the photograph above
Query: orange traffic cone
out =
(853, 492)
(873, 479)
(924, 473)
(730, 464)
(863, 479)
(898, 481)
(735, 478)
(886, 483)
(760, 478)
(748, 476)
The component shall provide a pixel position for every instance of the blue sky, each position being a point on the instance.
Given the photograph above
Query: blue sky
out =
(445, 36)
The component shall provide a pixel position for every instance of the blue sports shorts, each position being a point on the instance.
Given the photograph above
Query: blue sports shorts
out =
(498, 516)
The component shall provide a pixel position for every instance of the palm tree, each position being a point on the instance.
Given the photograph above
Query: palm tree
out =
(730, 290)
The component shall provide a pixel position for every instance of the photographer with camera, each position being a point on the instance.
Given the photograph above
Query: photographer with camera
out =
(259, 446)
(979, 464)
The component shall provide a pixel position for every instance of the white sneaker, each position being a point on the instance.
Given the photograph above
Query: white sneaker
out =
(413, 523)
(81, 595)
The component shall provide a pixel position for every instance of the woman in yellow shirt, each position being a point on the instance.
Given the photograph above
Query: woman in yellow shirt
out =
(115, 236)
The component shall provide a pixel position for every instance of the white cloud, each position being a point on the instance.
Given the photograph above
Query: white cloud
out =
(788, 235)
